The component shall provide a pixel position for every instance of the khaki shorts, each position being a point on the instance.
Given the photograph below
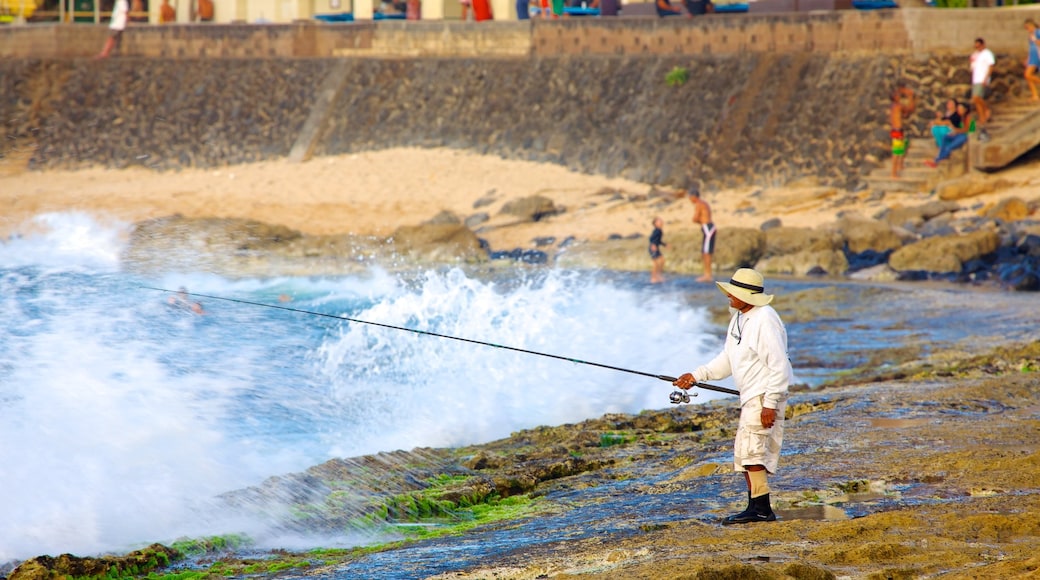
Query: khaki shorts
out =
(754, 444)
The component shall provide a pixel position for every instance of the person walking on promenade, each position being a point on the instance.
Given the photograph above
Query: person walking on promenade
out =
(656, 243)
(120, 13)
(982, 61)
(1033, 60)
(702, 217)
(898, 111)
(755, 355)
(167, 13)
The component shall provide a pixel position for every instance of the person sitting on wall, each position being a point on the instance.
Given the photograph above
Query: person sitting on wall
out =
(945, 121)
(698, 7)
(665, 8)
(956, 138)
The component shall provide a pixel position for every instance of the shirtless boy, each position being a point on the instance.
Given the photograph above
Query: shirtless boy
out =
(897, 112)
(702, 217)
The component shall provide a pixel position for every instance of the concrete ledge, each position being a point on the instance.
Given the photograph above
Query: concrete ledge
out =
(918, 31)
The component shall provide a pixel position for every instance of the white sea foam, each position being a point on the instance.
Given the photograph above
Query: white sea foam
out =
(121, 417)
(65, 241)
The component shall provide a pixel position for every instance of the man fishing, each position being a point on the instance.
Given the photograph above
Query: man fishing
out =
(755, 354)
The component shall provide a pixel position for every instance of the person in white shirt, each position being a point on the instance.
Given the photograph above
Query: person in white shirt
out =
(982, 61)
(755, 354)
(120, 13)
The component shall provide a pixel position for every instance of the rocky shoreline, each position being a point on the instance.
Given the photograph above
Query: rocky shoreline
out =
(906, 475)
(941, 239)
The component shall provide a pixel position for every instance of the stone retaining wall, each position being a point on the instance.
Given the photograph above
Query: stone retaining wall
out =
(919, 31)
(760, 118)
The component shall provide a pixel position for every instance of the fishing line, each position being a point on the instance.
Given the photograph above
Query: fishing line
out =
(676, 397)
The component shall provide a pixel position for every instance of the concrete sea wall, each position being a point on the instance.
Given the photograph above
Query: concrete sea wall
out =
(767, 100)
(753, 119)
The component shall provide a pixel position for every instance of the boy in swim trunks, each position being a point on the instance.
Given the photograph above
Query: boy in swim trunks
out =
(702, 217)
(897, 111)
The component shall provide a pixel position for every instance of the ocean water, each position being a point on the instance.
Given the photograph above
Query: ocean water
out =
(122, 417)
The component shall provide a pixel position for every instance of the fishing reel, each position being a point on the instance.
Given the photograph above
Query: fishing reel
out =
(678, 397)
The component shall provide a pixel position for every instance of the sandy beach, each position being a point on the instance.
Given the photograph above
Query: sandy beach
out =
(370, 194)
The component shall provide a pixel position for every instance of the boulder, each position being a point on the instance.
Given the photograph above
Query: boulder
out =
(1010, 210)
(862, 234)
(531, 208)
(829, 262)
(175, 243)
(917, 215)
(438, 243)
(969, 186)
(784, 240)
(945, 254)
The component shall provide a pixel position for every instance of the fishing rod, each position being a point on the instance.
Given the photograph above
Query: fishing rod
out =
(676, 397)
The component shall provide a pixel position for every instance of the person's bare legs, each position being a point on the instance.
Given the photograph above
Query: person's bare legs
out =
(706, 277)
(106, 51)
(656, 275)
(982, 109)
(1032, 79)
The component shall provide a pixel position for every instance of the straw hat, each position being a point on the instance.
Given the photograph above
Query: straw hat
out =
(748, 286)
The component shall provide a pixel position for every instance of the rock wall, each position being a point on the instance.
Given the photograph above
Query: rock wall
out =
(162, 115)
(754, 119)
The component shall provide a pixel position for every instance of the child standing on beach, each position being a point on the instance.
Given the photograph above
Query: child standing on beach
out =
(656, 243)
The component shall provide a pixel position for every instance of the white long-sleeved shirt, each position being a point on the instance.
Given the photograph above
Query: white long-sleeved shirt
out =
(755, 354)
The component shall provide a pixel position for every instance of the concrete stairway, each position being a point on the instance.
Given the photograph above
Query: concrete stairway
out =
(916, 176)
(1014, 129)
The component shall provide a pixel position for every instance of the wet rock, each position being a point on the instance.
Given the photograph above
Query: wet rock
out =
(1029, 245)
(805, 263)
(142, 561)
(443, 243)
(471, 491)
(865, 259)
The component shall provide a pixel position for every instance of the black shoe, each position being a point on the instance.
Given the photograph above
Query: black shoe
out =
(758, 511)
(983, 136)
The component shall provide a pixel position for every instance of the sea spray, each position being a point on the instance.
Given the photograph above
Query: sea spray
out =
(441, 392)
(122, 418)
